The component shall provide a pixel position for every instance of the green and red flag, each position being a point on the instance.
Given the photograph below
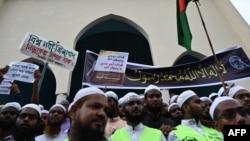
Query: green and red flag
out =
(183, 30)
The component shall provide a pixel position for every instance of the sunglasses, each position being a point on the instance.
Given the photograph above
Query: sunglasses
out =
(230, 114)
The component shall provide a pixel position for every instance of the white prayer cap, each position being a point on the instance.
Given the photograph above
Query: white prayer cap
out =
(70, 106)
(120, 101)
(221, 91)
(44, 111)
(87, 91)
(41, 106)
(33, 106)
(173, 99)
(152, 87)
(212, 94)
(216, 102)
(128, 96)
(112, 95)
(171, 105)
(204, 98)
(58, 105)
(15, 105)
(184, 96)
(235, 89)
(141, 96)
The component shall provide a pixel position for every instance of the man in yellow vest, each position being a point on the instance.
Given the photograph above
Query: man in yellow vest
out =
(191, 127)
(134, 130)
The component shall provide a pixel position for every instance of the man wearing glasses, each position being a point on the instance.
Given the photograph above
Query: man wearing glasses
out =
(227, 111)
(242, 95)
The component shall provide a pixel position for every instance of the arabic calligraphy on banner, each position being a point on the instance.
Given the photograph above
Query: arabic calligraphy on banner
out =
(234, 64)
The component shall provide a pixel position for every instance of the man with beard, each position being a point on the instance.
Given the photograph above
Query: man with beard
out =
(8, 116)
(175, 113)
(206, 119)
(154, 118)
(114, 121)
(191, 127)
(134, 129)
(27, 123)
(88, 115)
(53, 132)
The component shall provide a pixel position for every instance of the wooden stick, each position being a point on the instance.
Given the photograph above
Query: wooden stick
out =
(217, 64)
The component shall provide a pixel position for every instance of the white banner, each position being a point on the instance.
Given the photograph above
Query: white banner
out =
(5, 86)
(111, 61)
(49, 51)
(21, 71)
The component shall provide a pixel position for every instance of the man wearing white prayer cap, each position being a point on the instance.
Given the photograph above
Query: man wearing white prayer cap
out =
(227, 111)
(66, 124)
(27, 122)
(241, 94)
(206, 102)
(175, 113)
(44, 117)
(111, 94)
(173, 99)
(88, 115)
(154, 118)
(52, 131)
(8, 116)
(114, 121)
(191, 127)
(134, 129)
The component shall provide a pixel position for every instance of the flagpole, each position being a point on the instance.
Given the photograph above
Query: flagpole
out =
(219, 71)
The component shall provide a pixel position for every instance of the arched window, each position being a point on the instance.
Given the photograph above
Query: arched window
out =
(112, 33)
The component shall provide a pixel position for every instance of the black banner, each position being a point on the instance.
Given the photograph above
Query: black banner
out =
(234, 64)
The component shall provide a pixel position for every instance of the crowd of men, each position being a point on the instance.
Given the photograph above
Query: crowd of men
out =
(98, 115)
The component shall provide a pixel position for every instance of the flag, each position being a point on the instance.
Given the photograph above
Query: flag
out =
(183, 31)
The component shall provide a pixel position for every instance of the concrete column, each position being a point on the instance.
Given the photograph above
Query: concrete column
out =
(165, 96)
(61, 96)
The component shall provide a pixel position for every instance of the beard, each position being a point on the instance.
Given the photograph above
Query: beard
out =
(54, 123)
(154, 109)
(21, 133)
(110, 113)
(134, 118)
(86, 133)
(52, 128)
(177, 120)
(196, 114)
(6, 124)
